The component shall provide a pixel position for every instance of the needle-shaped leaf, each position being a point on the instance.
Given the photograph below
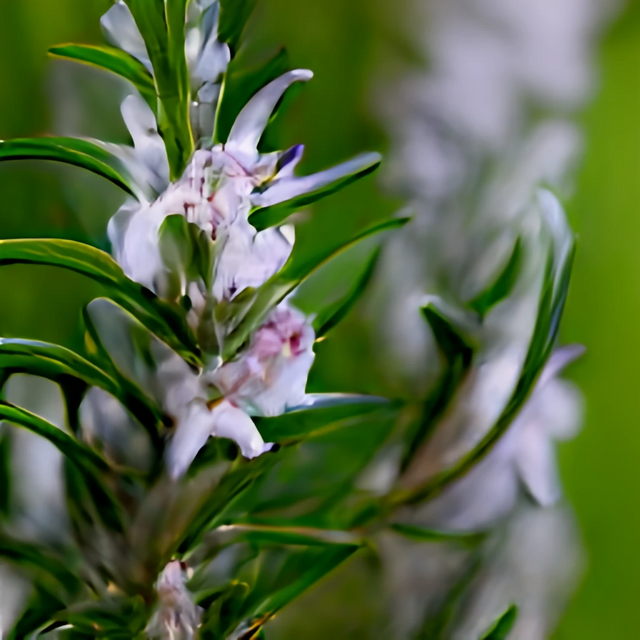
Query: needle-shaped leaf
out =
(420, 534)
(220, 498)
(54, 571)
(115, 617)
(272, 535)
(234, 15)
(328, 318)
(503, 284)
(74, 450)
(456, 351)
(298, 268)
(306, 569)
(93, 156)
(164, 320)
(288, 195)
(114, 60)
(162, 24)
(59, 364)
(320, 415)
(502, 627)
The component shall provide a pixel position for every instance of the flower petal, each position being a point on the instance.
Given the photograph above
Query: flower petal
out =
(120, 29)
(149, 146)
(289, 188)
(232, 423)
(536, 463)
(192, 432)
(253, 119)
(248, 259)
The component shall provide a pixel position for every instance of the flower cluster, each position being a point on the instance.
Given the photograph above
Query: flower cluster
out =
(193, 242)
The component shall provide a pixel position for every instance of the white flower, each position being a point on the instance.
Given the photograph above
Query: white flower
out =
(271, 376)
(177, 616)
(265, 380)
(218, 191)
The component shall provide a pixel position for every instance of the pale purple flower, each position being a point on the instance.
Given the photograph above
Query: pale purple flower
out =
(525, 456)
(177, 616)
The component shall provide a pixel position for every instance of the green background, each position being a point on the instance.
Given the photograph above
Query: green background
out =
(343, 42)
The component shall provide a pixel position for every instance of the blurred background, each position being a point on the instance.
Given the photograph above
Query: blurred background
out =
(359, 51)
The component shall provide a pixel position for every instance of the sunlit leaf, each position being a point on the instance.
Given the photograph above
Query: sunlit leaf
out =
(328, 318)
(113, 60)
(502, 627)
(321, 414)
(298, 268)
(166, 321)
(86, 154)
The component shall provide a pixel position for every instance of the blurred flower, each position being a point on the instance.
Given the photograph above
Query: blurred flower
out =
(177, 616)
(525, 456)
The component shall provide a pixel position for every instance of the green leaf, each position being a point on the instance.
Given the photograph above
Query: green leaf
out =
(162, 25)
(119, 618)
(221, 497)
(234, 15)
(321, 415)
(113, 60)
(419, 534)
(52, 571)
(60, 364)
(298, 268)
(93, 156)
(502, 627)
(271, 216)
(502, 286)
(457, 352)
(76, 451)
(187, 252)
(91, 505)
(38, 614)
(307, 569)
(273, 535)
(241, 83)
(166, 321)
(328, 318)
(222, 615)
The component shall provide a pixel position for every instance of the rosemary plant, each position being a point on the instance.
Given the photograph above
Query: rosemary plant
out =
(195, 462)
